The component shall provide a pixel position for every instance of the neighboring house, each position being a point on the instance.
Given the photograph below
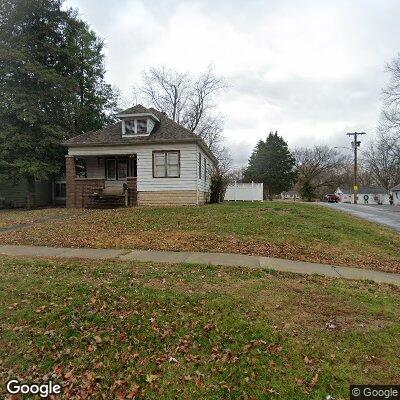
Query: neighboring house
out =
(146, 155)
(15, 194)
(46, 193)
(395, 191)
(365, 195)
(291, 194)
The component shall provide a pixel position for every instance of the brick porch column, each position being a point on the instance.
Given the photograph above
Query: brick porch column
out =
(70, 181)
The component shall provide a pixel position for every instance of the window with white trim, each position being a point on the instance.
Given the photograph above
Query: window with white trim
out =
(166, 164)
(141, 126)
(135, 127)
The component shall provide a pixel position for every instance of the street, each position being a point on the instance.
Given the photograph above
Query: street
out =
(381, 214)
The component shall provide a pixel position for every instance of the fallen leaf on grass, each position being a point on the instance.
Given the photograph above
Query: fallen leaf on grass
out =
(97, 339)
(307, 361)
(314, 380)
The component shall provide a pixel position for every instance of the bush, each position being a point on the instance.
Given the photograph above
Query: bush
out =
(219, 183)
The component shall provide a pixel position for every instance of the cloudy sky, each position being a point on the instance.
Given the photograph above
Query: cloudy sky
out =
(311, 69)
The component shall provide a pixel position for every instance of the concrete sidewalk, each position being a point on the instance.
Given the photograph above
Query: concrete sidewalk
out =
(225, 259)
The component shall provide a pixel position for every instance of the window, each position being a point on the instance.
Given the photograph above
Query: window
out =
(80, 168)
(60, 189)
(141, 126)
(205, 169)
(135, 127)
(133, 166)
(199, 165)
(122, 168)
(129, 127)
(166, 164)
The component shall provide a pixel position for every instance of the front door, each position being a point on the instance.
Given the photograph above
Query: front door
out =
(111, 169)
(122, 168)
(116, 168)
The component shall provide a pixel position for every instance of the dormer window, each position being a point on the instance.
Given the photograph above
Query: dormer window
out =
(141, 126)
(129, 127)
(135, 127)
(138, 124)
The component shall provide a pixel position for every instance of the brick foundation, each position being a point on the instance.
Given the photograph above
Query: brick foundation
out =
(70, 181)
(132, 193)
(84, 188)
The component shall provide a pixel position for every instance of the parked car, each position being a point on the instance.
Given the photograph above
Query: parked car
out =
(332, 198)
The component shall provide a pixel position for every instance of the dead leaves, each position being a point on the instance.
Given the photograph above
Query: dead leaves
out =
(314, 380)
(97, 339)
(307, 361)
(209, 327)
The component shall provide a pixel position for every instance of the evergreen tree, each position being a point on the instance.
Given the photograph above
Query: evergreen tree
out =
(51, 86)
(272, 163)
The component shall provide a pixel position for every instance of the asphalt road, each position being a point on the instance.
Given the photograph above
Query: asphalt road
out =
(384, 215)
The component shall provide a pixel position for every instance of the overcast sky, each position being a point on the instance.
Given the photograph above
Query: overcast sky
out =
(313, 70)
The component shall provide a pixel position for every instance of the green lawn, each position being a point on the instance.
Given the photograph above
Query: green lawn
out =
(295, 231)
(193, 332)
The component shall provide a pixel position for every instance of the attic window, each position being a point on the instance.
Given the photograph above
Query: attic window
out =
(135, 127)
(141, 126)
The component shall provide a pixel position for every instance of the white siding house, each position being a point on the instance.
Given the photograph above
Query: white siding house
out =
(166, 165)
(365, 195)
(395, 192)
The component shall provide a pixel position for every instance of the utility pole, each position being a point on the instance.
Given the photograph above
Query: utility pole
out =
(356, 144)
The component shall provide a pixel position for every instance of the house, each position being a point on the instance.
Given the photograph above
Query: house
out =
(365, 195)
(15, 194)
(345, 194)
(291, 194)
(48, 192)
(146, 156)
(395, 191)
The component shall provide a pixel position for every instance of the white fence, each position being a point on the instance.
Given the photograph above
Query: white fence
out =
(244, 191)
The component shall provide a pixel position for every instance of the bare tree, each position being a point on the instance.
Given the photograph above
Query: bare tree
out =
(237, 174)
(382, 161)
(201, 100)
(389, 124)
(318, 169)
(166, 90)
(186, 100)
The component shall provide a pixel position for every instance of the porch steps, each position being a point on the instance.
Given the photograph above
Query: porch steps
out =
(107, 201)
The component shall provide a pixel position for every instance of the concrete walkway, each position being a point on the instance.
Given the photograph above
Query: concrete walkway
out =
(224, 259)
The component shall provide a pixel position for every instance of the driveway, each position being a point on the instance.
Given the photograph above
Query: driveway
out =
(384, 215)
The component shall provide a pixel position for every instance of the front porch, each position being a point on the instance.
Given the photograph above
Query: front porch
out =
(101, 181)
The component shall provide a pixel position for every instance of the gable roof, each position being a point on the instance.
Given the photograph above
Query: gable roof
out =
(344, 190)
(397, 187)
(364, 190)
(165, 130)
(372, 190)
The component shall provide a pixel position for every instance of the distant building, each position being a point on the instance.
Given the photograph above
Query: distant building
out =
(291, 194)
(365, 195)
